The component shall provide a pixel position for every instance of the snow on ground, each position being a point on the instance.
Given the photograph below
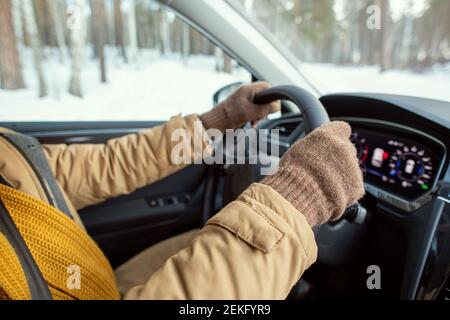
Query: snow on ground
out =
(156, 88)
(329, 78)
(153, 88)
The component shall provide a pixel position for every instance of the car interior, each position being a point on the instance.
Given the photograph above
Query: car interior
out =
(405, 230)
(402, 143)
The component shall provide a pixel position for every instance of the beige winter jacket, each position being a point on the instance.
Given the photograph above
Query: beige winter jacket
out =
(255, 248)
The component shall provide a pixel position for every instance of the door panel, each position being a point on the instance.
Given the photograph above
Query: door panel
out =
(129, 224)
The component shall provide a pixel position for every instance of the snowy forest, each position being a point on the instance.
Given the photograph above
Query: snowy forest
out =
(413, 34)
(107, 53)
(65, 28)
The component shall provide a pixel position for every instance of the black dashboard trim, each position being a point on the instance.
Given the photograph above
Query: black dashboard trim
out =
(435, 111)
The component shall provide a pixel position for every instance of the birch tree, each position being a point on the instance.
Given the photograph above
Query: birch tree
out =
(55, 10)
(223, 61)
(99, 30)
(33, 36)
(186, 42)
(10, 66)
(164, 32)
(385, 59)
(18, 23)
(77, 36)
(227, 63)
(118, 23)
(132, 31)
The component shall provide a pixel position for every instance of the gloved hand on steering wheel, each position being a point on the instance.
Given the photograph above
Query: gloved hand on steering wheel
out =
(320, 174)
(239, 109)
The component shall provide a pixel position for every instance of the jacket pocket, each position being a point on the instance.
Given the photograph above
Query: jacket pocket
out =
(250, 225)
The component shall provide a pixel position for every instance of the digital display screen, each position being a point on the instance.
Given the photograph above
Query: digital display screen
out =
(406, 166)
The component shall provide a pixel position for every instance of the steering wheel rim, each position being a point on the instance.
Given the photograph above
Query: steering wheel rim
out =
(312, 110)
(314, 116)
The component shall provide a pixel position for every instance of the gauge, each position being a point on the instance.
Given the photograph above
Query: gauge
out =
(362, 148)
(412, 166)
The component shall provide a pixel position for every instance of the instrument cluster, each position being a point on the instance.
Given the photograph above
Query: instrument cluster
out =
(403, 163)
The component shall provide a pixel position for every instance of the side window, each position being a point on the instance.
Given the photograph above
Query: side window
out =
(105, 60)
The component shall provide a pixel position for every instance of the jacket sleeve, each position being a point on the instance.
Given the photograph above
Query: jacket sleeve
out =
(92, 173)
(255, 248)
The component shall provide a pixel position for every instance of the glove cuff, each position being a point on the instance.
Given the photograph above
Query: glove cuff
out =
(217, 118)
(303, 192)
(225, 116)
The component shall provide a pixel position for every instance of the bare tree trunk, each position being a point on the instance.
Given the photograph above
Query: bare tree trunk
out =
(385, 62)
(227, 66)
(165, 32)
(77, 43)
(110, 21)
(218, 56)
(63, 10)
(18, 22)
(223, 61)
(45, 22)
(32, 29)
(118, 22)
(24, 32)
(176, 40)
(156, 30)
(186, 49)
(132, 31)
(99, 30)
(141, 25)
(54, 7)
(41, 20)
(196, 42)
(442, 27)
(10, 66)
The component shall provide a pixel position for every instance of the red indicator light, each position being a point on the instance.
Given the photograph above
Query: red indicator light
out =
(385, 155)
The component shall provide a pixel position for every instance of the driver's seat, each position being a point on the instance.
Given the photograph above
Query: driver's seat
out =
(62, 254)
(25, 174)
(41, 234)
(24, 167)
(28, 184)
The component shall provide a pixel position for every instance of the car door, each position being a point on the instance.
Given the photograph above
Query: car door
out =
(124, 85)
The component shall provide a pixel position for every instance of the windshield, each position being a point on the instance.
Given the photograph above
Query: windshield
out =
(397, 46)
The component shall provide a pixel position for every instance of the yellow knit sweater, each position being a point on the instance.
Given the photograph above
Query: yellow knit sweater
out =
(61, 248)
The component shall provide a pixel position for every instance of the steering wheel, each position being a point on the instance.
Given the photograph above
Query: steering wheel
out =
(314, 116)
(314, 113)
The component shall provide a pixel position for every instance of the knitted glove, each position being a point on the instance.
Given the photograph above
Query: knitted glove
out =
(320, 175)
(239, 108)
